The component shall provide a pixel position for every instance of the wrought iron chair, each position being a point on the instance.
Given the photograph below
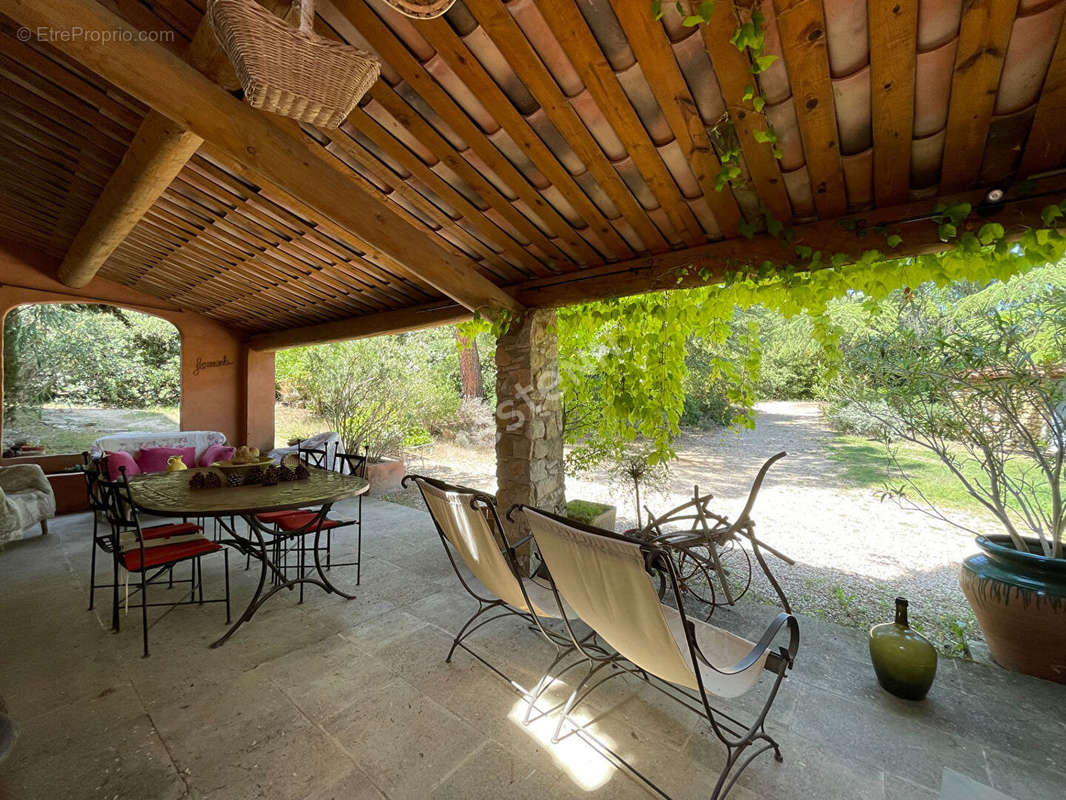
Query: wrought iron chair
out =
(607, 581)
(104, 540)
(293, 527)
(469, 527)
(314, 456)
(149, 553)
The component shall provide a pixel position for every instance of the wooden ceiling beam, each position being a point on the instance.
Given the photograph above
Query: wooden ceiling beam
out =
(456, 55)
(661, 272)
(733, 70)
(157, 154)
(983, 36)
(893, 46)
(581, 47)
(803, 41)
(399, 58)
(163, 81)
(656, 57)
(527, 65)
(408, 319)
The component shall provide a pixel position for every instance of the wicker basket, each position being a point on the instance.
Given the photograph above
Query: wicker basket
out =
(290, 71)
(421, 9)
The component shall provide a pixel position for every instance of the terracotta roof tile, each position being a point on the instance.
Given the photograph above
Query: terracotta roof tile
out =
(678, 165)
(1032, 41)
(691, 54)
(854, 120)
(932, 88)
(495, 63)
(847, 36)
(387, 121)
(783, 117)
(926, 154)
(555, 197)
(705, 216)
(635, 181)
(774, 81)
(585, 107)
(635, 85)
(938, 23)
(517, 156)
(859, 179)
(1006, 135)
(608, 32)
(596, 194)
(529, 19)
(798, 185)
(414, 99)
(556, 142)
(662, 222)
(462, 95)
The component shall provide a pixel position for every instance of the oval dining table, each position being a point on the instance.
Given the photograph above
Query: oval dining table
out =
(168, 494)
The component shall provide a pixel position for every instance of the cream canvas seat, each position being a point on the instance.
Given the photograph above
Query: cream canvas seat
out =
(470, 528)
(606, 581)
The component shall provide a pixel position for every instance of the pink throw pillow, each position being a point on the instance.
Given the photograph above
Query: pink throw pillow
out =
(217, 452)
(112, 461)
(154, 459)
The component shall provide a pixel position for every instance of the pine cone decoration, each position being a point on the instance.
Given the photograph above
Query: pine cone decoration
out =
(286, 474)
(253, 476)
(212, 481)
(197, 481)
(234, 479)
(270, 476)
(301, 473)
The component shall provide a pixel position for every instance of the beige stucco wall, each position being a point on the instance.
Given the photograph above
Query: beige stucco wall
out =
(224, 385)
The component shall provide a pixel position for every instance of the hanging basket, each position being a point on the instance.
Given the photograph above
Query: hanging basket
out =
(421, 9)
(290, 71)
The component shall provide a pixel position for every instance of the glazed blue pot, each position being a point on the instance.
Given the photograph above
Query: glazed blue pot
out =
(1019, 599)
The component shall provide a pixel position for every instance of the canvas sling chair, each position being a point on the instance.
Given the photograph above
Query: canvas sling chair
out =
(470, 529)
(607, 581)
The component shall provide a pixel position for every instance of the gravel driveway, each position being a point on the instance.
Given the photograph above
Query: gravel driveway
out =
(854, 553)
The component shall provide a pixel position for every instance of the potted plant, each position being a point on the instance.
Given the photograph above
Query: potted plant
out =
(634, 471)
(589, 512)
(984, 389)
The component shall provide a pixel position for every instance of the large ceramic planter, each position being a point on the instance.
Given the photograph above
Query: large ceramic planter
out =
(1020, 601)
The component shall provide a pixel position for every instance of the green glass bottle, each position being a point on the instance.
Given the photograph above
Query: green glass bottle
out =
(904, 660)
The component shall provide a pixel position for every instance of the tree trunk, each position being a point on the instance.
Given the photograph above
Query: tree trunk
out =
(469, 367)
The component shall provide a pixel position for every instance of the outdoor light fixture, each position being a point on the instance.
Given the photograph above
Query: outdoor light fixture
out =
(993, 202)
(995, 196)
(421, 9)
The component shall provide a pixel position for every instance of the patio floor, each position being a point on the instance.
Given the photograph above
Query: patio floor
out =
(353, 700)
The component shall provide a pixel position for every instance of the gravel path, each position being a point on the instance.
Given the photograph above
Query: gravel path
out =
(854, 553)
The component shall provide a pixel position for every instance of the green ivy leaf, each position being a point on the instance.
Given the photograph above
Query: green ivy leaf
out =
(747, 229)
(895, 240)
(1050, 214)
(947, 232)
(990, 232)
(706, 10)
(749, 92)
(763, 63)
(764, 137)
(759, 103)
(657, 9)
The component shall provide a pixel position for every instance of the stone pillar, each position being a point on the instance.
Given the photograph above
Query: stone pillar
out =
(529, 417)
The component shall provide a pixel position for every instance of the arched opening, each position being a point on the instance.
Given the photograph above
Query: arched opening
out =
(74, 372)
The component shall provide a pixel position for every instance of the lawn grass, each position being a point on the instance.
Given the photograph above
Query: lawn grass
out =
(865, 463)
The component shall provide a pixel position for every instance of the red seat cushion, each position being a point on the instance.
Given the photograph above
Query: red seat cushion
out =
(167, 554)
(300, 519)
(274, 516)
(172, 529)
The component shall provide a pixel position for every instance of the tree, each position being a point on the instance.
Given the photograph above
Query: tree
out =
(979, 381)
(469, 366)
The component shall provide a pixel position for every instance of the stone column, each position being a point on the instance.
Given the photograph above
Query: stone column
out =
(529, 417)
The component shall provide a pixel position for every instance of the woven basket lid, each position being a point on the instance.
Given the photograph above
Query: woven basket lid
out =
(421, 9)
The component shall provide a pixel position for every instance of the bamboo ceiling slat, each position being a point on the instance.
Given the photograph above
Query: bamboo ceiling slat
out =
(1046, 146)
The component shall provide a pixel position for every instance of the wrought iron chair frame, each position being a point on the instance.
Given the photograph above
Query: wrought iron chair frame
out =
(123, 517)
(736, 735)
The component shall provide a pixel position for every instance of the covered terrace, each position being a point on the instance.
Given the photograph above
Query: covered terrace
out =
(512, 158)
